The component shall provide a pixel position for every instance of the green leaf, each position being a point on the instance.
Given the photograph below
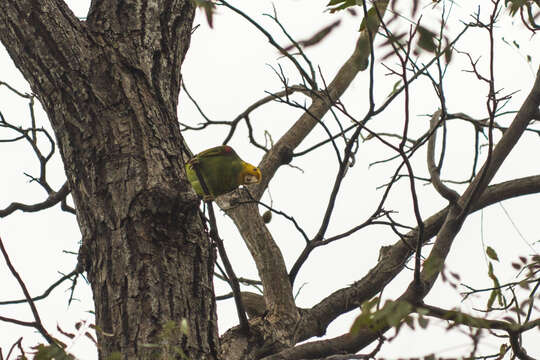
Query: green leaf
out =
(209, 9)
(410, 322)
(50, 352)
(361, 322)
(515, 5)
(391, 314)
(447, 50)
(395, 88)
(491, 253)
(340, 5)
(502, 349)
(399, 310)
(426, 39)
(423, 322)
(368, 305)
(496, 293)
(334, 2)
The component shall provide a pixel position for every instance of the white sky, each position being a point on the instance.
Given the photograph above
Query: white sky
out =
(228, 68)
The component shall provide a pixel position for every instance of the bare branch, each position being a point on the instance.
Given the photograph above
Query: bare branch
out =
(312, 82)
(300, 51)
(272, 97)
(349, 298)
(282, 151)
(214, 234)
(37, 324)
(53, 199)
(514, 330)
(46, 293)
(459, 211)
(434, 171)
(388, 101)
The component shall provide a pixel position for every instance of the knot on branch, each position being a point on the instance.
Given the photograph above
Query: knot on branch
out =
(161, 210)
(285, 155)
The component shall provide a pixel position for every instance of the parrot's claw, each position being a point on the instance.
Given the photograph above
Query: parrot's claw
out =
(208, 198)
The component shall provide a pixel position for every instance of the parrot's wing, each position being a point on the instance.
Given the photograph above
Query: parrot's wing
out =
(215, 151)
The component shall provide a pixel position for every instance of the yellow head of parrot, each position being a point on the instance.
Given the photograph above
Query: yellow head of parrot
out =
(250, 174)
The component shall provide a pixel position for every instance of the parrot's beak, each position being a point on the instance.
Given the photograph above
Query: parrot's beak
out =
(251, 179)
(253, 176)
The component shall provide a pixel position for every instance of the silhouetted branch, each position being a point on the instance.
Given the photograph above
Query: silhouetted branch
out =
(214, 234)
(312, 82)
(514, 330)
(53, 199)
(46, 292)
(37, 324)
(434, 171)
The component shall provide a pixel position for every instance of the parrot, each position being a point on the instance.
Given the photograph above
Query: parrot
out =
(222, 170)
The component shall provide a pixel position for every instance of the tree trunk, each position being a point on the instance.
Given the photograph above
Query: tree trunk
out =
(110, 87)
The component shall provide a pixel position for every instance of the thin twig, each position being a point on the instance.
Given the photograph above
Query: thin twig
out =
(45, 293)
(301, 70)
(233, 280)
(434, 170)
(37, 324)
(53, 199)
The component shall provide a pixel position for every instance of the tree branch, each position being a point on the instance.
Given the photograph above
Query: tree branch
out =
(514, 330)
(316, 319)
(458, 212)
(451, 195)
(282, 150)
(301, 70)
(37, 324)
(214, 234)
(53, 199)
(45, 293)
(478, 322)
(267, 256)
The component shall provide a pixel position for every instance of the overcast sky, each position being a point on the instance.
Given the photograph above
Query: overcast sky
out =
(229, 67)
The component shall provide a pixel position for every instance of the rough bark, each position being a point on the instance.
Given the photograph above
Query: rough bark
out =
(110, 88)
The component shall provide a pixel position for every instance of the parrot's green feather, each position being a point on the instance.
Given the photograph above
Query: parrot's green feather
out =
(216, 151)
(222, 170)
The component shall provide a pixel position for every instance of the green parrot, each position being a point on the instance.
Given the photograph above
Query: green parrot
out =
(222, 170)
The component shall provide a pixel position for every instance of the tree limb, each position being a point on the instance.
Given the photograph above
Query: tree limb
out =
(434, 171)
(214, 234)
(458, 212)
(268, 257)
(45, 293)
(316, 319)
(37, 324)
(53, 199)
